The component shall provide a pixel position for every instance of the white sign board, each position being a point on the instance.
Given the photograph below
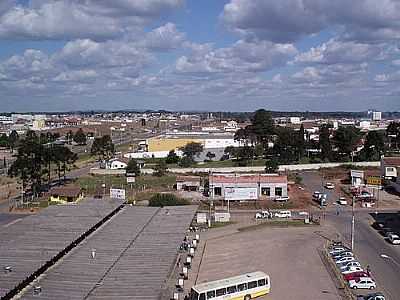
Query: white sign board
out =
(222, 217)
(201, 218)
(130, 179)
(236, 193)
(117, 194)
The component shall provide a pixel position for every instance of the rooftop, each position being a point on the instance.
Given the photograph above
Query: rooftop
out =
(247, 178)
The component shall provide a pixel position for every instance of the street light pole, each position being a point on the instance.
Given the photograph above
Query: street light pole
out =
(352, 226)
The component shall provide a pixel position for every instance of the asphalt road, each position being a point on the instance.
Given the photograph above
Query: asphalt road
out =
(9, 219)
(368, 243)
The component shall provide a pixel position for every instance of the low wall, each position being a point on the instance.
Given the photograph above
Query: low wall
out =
(98, 171)
(298, 167)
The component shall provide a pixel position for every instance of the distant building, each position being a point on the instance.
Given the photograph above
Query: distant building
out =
(365, 125)
(248, 186)
(376, 115)
(188, 183)
(295, 120)
(65, 194)
(117, 163)
(390, 171)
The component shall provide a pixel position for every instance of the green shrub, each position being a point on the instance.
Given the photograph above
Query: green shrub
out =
(160, 200)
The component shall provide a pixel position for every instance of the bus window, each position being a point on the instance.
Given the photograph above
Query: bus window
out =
(210, 294)
(261, 282)
(242, 287)
(202, 296)
(231, 289)
(221, 292)
(252, 284)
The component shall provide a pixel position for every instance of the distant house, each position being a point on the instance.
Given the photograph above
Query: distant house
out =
(117, 164)
(231, 186)
(188, 183)
(390, 171)
(64, 194)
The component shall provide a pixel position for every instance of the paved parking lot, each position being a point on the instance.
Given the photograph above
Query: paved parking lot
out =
(289, 255)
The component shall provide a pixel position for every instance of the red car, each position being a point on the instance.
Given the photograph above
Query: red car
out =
(355, 275)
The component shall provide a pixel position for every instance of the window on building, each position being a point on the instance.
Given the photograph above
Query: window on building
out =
(217, 191)
(266, 191)
(278, 191)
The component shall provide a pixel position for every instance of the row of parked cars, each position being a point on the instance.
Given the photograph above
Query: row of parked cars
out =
(353, 272)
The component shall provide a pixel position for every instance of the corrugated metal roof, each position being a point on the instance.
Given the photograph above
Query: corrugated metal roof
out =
(135, 251)
(247, 178)
(30, 243)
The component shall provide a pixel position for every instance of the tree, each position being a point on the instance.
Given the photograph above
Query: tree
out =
(285, 146)
(189, 152)
(172, 158)
(393, 135)
(70, 137)
(271, 166)
(80, 137)
(231, 151)
(210, 155)
(262, 127)
(301, 145)
(258, 151)
(63, 158)
(346, 139)
(325, 142)
(133, 167)
(12, 140)
(374, 145)
(161, 168)
(103, 147)
(4, 142)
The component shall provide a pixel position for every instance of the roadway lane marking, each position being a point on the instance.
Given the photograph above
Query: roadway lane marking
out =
(12, 223)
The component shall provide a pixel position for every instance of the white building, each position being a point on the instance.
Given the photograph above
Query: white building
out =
(376, 115)
(365, 125)
(390, 171)
(295, 120)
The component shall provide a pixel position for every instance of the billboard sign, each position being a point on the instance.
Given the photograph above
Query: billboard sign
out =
(236, 193)
(374, 180)
(117, 194)
(130, 179)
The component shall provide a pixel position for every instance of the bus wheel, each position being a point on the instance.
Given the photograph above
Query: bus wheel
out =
(247, 297)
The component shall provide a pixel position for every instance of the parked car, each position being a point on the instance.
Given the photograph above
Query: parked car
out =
(263, 215)
(353, 266)
(362, 283)
(337, 250)
(316, 194)
(282, 199)
(374, 296)
(283, 214)
(342, 201)
(394, 239)
(343, 254)
(355, 275)
(365, 195)
(329, 186)
(344, 259)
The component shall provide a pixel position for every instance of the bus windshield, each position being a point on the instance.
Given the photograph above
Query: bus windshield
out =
(193, 295)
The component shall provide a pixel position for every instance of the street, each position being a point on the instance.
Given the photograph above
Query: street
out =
(369, 245)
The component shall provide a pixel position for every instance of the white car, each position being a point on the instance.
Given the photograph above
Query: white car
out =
(263, 215)
(394, 239)
(343, 254)
(342, 201)
(350, 270)
(329, 186)
(316, 194)
(349, 264)
(282, 199)
(283, 214)
(362, 283)
(337, 250)
(344, 260)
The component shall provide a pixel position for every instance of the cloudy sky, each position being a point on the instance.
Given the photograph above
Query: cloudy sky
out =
(199, 54)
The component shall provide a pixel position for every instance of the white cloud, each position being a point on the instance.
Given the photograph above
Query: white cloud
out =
(240, 57)
(164, 38)
(72, 19)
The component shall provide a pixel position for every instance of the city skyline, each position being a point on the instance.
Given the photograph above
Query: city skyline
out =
(231, 55)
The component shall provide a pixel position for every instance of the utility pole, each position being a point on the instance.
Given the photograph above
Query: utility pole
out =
(352, 226)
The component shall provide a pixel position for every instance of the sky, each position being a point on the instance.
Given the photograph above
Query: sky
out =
(209, 55)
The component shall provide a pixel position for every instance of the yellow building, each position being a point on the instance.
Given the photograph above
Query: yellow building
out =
(168, 144)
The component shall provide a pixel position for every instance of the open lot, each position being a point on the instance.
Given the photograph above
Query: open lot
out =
(289, 255)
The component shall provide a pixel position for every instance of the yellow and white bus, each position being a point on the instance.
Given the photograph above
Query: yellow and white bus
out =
(243, 287)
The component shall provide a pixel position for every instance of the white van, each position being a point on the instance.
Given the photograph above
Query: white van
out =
(283, 214)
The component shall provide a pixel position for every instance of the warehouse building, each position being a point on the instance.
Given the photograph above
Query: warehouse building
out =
(248, 186)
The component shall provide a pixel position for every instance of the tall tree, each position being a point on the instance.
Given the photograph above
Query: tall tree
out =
(301, 144)
(262, 127)
(13, 139)
(133, 167)
(346, 139)
(80, 137)
(325, 142)
(191, 150)
(393, 135)
(103, 147)
(161, 168)
(374, 145)
(172, 158)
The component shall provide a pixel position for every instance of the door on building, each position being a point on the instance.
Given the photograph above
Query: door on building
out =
(266, 191)
(217, 191)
